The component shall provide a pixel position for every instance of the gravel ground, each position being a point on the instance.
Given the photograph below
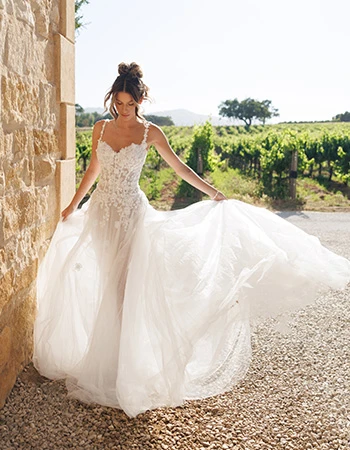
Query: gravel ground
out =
(295, 395)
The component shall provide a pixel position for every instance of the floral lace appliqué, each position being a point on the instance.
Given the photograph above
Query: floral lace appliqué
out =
(118, 188)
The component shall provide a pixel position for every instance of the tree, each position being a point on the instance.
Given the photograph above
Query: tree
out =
(160, 120)
(78, 16)
(84, 119)
(342, 117)
(267, 111)
(248, 110)
(79, 109)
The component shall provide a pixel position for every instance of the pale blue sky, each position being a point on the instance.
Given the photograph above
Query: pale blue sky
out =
(197, 53)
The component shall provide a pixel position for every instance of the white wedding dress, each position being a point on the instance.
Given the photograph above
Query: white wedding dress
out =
(139, 308)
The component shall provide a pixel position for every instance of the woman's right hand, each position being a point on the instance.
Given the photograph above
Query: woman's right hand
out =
(67, 212)
(219, 196)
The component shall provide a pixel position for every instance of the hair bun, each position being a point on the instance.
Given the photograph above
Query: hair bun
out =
(131, 70)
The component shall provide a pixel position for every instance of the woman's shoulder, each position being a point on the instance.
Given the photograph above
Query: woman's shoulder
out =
(100, 123)
(155, 133)
(152, 127)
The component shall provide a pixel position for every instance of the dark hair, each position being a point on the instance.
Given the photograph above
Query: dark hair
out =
(130, 81)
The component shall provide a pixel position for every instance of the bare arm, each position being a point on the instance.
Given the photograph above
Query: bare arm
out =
(159, 140)
(90, 175)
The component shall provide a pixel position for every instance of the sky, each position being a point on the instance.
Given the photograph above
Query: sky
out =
(197, 53)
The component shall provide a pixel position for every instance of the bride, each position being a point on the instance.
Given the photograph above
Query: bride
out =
(138, 308)
(125, 96)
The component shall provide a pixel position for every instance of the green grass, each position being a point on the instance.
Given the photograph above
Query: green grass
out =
(235, 185)
(318, 195)
(158, 185)
(161, 185)
(312, 195)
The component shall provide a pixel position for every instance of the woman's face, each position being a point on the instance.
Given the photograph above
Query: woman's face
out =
(126, 105)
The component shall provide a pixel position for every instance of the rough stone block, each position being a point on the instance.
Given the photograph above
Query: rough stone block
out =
(11, 251)
(2, 181)
(12, 218)
(55, 16)
(44, 170)
(2, 260)
(19, 175)
(67, 131)
(18, 212)
(23, 145)
(20, 49)
(41, 205)
(5, 346)
(24, 250)
(23, 12)
(21, 325)
(48, 108)
(22, 321)
(50, 65)
(26, 277)
(42, 18)
(52, 215)
(45, 143)
(20, 101)
(3, 30)
(6, 288)
(65, 70)
(43, 234)
(45, 217)
(6, 145)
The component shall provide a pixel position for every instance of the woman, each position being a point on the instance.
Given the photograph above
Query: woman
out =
(139, 308)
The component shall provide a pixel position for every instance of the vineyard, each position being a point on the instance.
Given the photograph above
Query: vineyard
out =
(253, 165)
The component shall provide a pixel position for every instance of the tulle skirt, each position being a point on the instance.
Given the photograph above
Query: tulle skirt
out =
(161, 312)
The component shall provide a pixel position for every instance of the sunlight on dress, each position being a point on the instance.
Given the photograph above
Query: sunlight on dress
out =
(139, 309)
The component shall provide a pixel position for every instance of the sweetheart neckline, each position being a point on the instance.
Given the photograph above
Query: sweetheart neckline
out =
(123, 148)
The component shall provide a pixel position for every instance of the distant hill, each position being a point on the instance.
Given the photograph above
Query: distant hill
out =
(92, 109)
(181, 117)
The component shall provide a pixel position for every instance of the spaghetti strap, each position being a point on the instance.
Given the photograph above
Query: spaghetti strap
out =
(103, 129)
(146, 124)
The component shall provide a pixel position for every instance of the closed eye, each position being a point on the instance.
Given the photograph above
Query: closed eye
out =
(130, 104)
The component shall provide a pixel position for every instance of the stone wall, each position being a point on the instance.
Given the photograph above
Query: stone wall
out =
(37, 148)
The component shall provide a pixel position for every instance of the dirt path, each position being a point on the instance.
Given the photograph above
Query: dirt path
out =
(295, 396)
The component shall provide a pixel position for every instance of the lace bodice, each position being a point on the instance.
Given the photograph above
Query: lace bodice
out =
(118, 187)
